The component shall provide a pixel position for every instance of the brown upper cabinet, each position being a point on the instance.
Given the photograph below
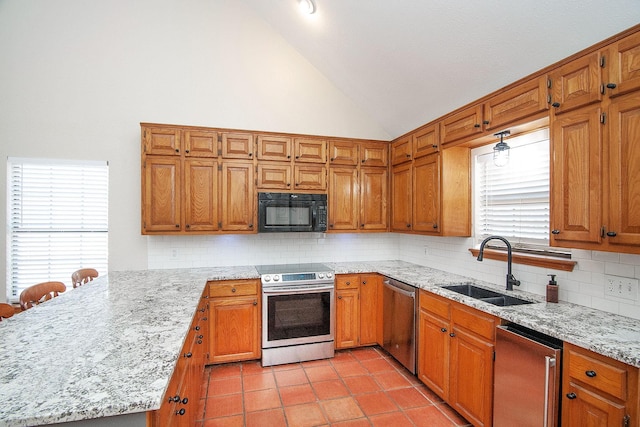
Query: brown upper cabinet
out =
(275, 148)
(402, 150)
(577, 84)
(595, 180)
(161, 141)
(521, 102)
(622, 62)
(358, 185)
(426, 140)
(461, 125)
(310, 150)
(291, 163)
(236, 145)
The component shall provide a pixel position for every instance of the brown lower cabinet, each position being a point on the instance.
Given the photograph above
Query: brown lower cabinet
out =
(358, 310)
(598, 391)
(234, 320)
(455, 355)
(180, 404)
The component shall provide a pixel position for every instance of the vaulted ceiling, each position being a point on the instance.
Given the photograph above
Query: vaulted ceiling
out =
(406, 62)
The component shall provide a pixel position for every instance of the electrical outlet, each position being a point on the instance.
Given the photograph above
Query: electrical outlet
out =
(621, 287)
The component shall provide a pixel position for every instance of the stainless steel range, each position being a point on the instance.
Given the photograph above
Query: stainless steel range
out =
(297, 313)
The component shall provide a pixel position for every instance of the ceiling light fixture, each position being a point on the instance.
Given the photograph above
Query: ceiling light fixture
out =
(307, 6)
(501, 150)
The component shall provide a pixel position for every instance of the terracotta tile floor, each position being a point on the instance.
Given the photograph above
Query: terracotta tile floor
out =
(359, 387)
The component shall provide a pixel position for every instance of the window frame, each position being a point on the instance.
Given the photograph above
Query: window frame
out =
(48, 237)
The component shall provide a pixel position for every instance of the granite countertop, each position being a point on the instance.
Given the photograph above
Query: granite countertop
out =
(109, 347)
(605, 333)
(106, 348)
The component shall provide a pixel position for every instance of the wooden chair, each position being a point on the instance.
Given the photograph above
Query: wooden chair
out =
(6, 311)
(40, 293)
(82, 276)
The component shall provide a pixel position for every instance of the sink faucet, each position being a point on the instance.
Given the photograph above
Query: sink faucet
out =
(510, 279)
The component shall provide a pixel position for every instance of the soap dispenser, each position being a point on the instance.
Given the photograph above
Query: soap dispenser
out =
(552, 289)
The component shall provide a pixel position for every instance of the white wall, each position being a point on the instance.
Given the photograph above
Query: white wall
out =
(77, 78)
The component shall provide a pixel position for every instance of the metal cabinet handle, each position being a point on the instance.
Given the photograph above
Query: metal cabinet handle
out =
(612, 234)
(339, 296)
(611, 85)
(233, 290)
(555, 231)
(555, 104)
(181, 412)
(443, 329)
(571, 395)
(255, 303)
(590, 374)
(452, 334)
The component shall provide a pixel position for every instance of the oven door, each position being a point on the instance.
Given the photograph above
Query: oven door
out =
(294, 315)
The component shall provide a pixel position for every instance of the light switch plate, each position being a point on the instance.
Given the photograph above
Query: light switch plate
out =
(621, 287)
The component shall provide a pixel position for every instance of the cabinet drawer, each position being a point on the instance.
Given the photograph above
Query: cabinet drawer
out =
(474, 321)
(599, 374)
(233, 288)
(435, 305)
(347, 281)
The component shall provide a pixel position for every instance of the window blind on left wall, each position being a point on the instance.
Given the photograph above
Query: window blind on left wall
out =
(57, 220)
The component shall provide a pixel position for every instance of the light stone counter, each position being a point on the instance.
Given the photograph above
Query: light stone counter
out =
(108, 348)
(614, 336)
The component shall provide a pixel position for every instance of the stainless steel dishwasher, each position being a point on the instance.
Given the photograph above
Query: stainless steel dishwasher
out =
(527, 378)
(399, 322)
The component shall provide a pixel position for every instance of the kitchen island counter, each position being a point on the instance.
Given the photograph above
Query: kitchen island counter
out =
(105, 349)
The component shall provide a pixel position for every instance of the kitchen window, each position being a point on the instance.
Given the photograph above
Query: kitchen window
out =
(512, 201)
(57, 220)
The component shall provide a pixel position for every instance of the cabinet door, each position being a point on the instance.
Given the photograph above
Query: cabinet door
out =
(235, 329)
(426, 141)
(161, 198)
(308, 150)
(343, 192)
(433, 353)
(426, 194)
(581, 407)
(237, 145)
(369, 286)
(374, 154)
(401, 150)
(343, 153)
(624, 65)
(310, 177)
(347, 318)
(460, 126)
(624, 171)
(274, 175)
(520, 102)
(471, 370)
(200, 143)
(276, 148)
(238, 196)
(161, 141)
(576, 84)
(576, 187)
(201, 195)
(374, 184)
(401, 198)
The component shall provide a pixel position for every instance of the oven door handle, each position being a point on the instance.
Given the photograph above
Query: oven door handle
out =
(296, 290)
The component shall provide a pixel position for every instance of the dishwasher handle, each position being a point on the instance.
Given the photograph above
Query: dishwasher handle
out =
(550, 363)
(394, 288)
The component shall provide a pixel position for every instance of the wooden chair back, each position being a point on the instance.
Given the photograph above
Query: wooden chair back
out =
(6, 310)
(82, 276)
(41, 292)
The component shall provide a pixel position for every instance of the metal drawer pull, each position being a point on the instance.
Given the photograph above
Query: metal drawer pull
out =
(590, 374)
(571, 395)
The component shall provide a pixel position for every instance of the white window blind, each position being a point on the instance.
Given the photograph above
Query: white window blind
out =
(58, 220)
(512, 201)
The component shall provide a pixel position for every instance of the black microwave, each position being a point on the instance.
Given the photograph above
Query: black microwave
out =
(279, 212)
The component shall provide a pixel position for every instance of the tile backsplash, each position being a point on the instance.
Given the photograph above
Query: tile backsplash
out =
(585, 285)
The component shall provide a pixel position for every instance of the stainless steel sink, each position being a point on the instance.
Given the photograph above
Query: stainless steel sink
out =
(486, 295)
